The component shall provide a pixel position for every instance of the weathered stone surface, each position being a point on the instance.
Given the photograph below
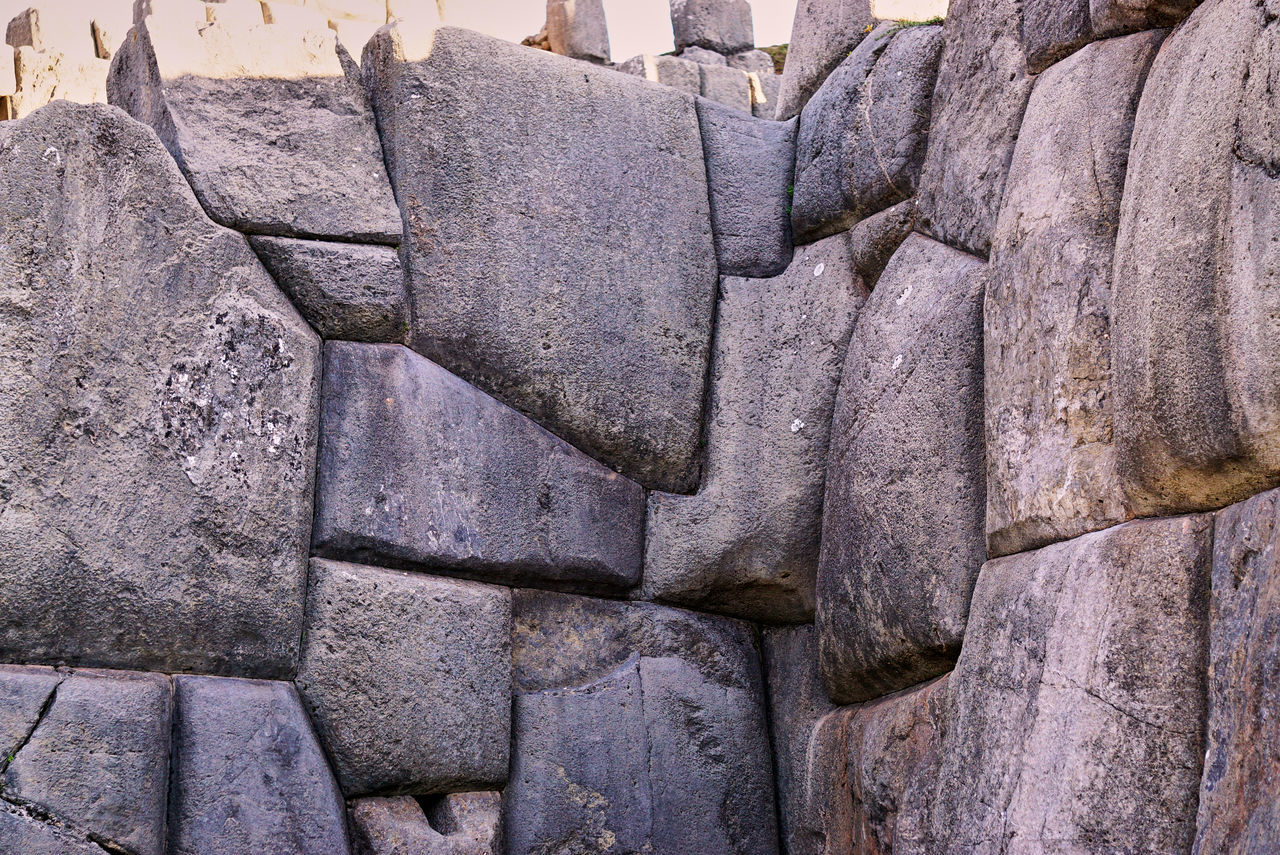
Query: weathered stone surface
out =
(25, 692)
(1051, 464)
(764, 95)
(249, 775)
(461, 824)
(727, 86)
(702, 56)
(670, 71)
(862, 136)
(418, 467)
(902, 533)
(749, 171)
(873, 241)
(408, 678)
(1078, 717)
(471, 821)
(752, 61)
(1053, 29)
(1195, 297)
(573, 280)
(723, 26)
(273, 136)
(24, 833)
(577, 28)
(41, 78)
(345, 291)
(824, 822)
(747, 543)
(978, 102)
(823, 34)
(155, 465)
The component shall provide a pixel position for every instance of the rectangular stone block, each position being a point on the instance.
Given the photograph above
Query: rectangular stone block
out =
(460, 824)
(41, 78)
(727, 86)
(724, 26)
(577, 28)
(823, 34)
(670, 71)
(46, 27)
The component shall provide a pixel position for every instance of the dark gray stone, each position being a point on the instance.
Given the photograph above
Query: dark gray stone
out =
(1053, 29)
(670, 71)
(723, 26)
(573, 280)
(25, 693)
(577, 28)
(346, 291)
(727, 86)
(460, 824)
(823, 34)
(873, 241)
(824, 821)
(418, 467)
(408, 678)
(902, 530)
(749, 171)
(158, 407)
(248, 773)
(20, 832)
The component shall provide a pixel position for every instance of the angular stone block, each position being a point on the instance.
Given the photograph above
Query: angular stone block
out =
(25, 693)
(747, 543)
(764, 95)
(1051, 461)
(702, 56)
(408, 678)
(577, 28)
(824, 822)
(272, 134)
(723, 26)
(22, 832)
(823, 34)
(573, 280)
(749, 171)
(670, 71)
(345, 291)
(47, 28)
(461, 824)
(753, 62)
(418, 467)
(156, 464)
(41, 78)
(1053, 29)
(471, 822)
(873, 241)
(902, 534)
(248, 773)
(727, 86)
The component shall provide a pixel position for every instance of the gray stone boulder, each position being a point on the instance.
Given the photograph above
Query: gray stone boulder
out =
(345, 291)
(1078, 717)
(408, 678)
(723, 26)
(873, 241)
(273, 135)
(727, 86)
(902, 533)
(747, 543)
(823, 34)
(1053, 29)
(749, 171)
(1051, 461)
(157, 415)
(573, 280)
(682, 74)
(420, 468)
(248, 773)
(702, 56)
(458, 824)
(577, 28)
(752, 62)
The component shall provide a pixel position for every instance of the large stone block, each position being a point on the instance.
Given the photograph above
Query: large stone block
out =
(823, 34)
(156, 466)
(459, 824)
(408, 678)
(25, 692)
(577, 28)
(418, 467)
(1078, 718)
(1053, 29)
(573, 279)
(1196, 290)
(723, 26)
(747, 543)
(727, 86)
(1051, 462)
(902, 534)
(273, 135)
(682, 74)
(873, 241)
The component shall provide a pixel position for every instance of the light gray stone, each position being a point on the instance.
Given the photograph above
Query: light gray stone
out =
(462, 824)
(273, 135)
(419, 468)
(764, 95)
(747, 543)
(723, 26)
(158, 397)
(753, 61)
(573, 280)
(1051, 462)
(1053, 29)
(873, 241)
(823, 34)
(670, 71)
(408, 678)
(702, 56)
(47, 28)
(749, 171)
(727, 86)
(577, 28)
(472, 822)
(902, 530)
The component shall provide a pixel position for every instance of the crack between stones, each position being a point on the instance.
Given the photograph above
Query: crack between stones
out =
(8, 760)
(39, 814)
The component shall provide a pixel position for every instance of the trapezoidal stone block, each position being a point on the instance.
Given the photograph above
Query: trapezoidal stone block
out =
(577, 28)
(156, 465)
(1053, 29)
(418, 468)
(823, 34)
(723, 26)
(1051, 459)
(559, 245)
(682, 74)
(902, 534)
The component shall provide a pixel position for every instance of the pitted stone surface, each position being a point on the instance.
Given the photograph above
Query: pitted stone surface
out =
(727, 86)
(21, 832)
(460, 824)
(1053, 29)
(823, 34)
(574, 279)
(723, 26)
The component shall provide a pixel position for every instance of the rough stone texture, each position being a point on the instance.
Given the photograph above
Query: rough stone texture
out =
(702, 56)
(747, 543)
(345, 291)
(472, 821)
(752, 61)
(274, 137)
(723, 26)
(823, 34)
(873, 241)
(981, 93)
(902, 533)
(1079, 705)
(824, 821)
(1053, 29)
(155, 466)
(461, 824)
(1195, 297)
(749, 171)
(670, 71)
(636, 724)
(408, 678)
(249, 775)
(21, 832)
(577, 28)
(25, 692)
(1051, 465)
(573, 280)
(727, 86)
(418, 467)
(764, 95)
(40, 78)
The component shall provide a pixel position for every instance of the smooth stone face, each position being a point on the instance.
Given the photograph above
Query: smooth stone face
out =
(25, 692)
(460, 824)
(1053, 29)
(248, 773)
(1077, 723)
(1195, 360)
(419, 468)
(823, 34)
(1051, 462)
(873, 241)
(902, 536)
(670, 71)
(156, 465)
(274, 137)
(577, 28)
(408, 678)
(574, 280)
(723, 26)
(824, 824)
(764, 95)
(982, 90)
(747, 543)
(727, 86)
